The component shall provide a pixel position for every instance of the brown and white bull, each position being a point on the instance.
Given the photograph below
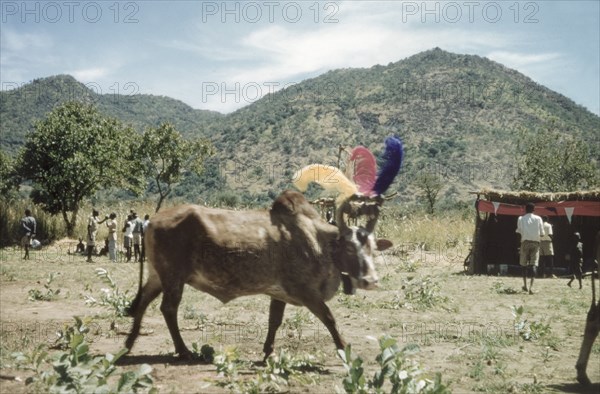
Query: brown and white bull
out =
(288, 253)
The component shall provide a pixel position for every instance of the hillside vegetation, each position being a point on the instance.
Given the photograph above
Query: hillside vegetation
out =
(459, 116)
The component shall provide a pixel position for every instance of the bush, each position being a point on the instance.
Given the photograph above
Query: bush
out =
(74, 370)
(403, 374)
(112, 298)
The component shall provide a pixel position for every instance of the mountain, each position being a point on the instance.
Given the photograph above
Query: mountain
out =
(459, 116)
(21, 107)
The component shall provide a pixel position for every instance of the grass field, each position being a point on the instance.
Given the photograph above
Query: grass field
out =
(482, 333)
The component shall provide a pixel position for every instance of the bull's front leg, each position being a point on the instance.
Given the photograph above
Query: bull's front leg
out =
(322, 311)
(276, 310)
(169, 307)
(592, 327)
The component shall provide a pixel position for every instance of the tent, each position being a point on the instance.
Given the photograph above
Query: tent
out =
(495, 242)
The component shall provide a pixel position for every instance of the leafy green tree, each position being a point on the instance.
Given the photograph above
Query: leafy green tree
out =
(166, 156)
(9, 180)
(550, 161)
(73, 153)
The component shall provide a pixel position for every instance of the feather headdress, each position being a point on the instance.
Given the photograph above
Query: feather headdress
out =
(392, 161)
(363, 168)
(329, 177)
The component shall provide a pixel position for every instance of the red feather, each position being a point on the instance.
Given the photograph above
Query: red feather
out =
(364, 169)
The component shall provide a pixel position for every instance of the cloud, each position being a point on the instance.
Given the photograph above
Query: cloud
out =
(285, 55)
(89, 74)
(13, 41)
(520, 60)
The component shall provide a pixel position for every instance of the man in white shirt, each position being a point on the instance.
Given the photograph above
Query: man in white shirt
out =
(546, 250)
(531, 229)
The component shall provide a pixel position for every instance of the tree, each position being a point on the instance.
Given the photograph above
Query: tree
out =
(166, 156)
(550, 161)
(9, 180)
(73, 153)
(430, 186)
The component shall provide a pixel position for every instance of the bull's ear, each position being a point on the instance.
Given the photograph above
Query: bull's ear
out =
(383, 244)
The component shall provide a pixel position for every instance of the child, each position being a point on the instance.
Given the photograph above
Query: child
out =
(80, 247)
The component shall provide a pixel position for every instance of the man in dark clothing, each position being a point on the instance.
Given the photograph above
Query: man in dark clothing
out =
(28, 226)
(138, 232)
(92, 228)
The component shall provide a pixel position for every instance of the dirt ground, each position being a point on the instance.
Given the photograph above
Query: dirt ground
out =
(463, 325)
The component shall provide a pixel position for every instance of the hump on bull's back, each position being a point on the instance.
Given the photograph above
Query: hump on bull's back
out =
(293, 203)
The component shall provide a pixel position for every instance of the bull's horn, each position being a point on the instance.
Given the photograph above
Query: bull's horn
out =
(329, 177)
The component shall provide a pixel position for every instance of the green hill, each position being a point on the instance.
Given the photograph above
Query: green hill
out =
(458, 115)
(21, 107)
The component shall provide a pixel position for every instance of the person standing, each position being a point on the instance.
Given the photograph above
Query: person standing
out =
(28, 228)
(530, 227)
(128, 237)
(112, 237)
(575, 259)
(546, 250)
(138, 225)
(144, 228)
(92, 229)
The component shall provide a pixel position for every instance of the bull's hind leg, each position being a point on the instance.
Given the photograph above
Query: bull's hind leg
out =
(592, 327)
(168, 307)
(276, 310)
(322, 311)
(149, 292)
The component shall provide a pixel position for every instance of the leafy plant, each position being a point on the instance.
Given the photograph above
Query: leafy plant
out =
(532, 331)
(49, 294)
(419, 293)
(75, 370)
(274, 377)
(205, 353)
(404, 375)
(111, 297)
(71, 333)
(500, 288)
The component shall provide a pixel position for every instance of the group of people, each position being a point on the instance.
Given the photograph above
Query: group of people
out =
(133, 233)
(536, 246)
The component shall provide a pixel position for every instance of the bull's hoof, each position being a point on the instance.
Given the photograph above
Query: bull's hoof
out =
(267, 350)
(129, 344)
(583, 379)
(186, 355)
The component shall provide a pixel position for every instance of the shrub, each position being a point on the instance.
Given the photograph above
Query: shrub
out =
(403, 374)
(49, 294)
(76, 371)
(112, 298)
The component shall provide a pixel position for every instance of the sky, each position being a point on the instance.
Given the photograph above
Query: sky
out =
(223, 55)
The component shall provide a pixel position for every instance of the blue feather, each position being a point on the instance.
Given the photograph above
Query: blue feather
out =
(392, 161)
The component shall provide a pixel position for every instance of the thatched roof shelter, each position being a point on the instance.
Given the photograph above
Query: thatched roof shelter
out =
(495, 242)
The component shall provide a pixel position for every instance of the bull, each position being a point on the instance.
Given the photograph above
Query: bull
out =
(287, 252)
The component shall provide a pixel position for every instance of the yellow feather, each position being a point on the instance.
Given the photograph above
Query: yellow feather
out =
(329, 177)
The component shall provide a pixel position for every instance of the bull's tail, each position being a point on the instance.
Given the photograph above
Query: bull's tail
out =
(130, 311)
